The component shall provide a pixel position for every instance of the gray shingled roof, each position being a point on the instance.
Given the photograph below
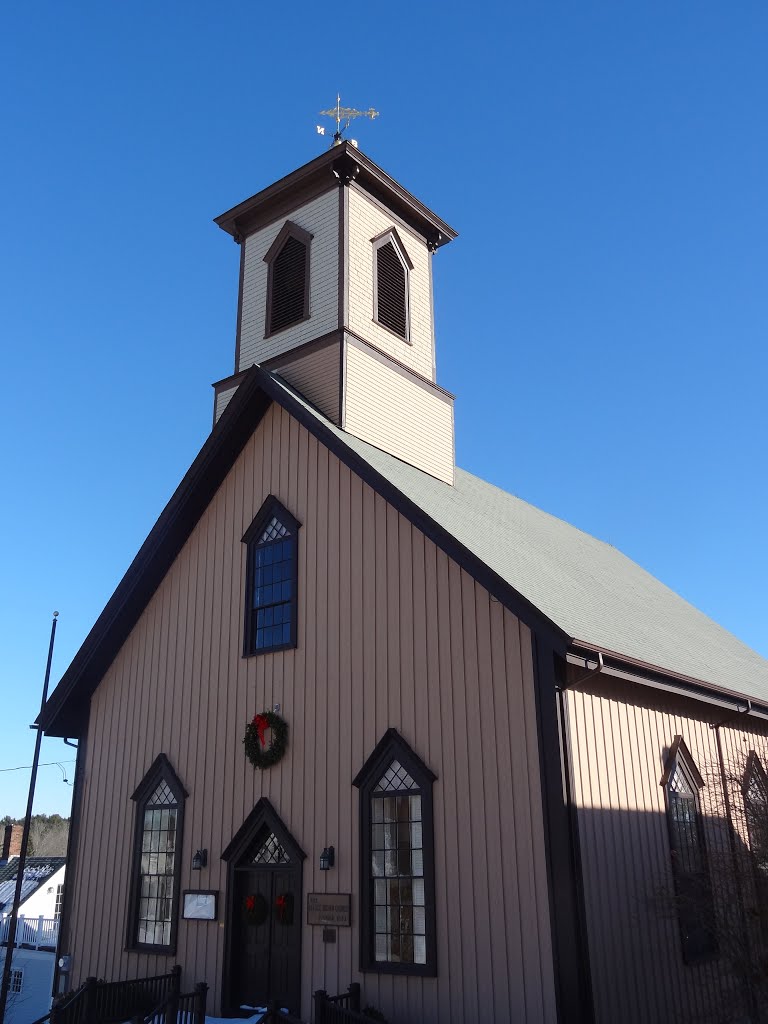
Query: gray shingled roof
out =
(596, 594)
(36, 872)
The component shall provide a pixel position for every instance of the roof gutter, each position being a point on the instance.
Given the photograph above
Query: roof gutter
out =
(667, 682)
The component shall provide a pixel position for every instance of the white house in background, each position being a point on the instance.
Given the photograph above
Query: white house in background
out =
(37, 933)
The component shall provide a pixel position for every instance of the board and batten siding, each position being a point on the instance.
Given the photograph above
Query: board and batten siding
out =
(320, 218)
(403, 417)
(391, 632)
(367, 220)
(620, 737)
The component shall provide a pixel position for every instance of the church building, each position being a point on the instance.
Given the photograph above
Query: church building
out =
(354, 714)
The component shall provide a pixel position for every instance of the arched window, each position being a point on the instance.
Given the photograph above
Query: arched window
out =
(271, 580)
(693, 889)
(397, 903)
(391, 270)
(287, 278)
(156, 871)
(755, 790)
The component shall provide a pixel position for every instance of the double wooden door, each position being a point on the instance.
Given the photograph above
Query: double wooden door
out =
(266, 948)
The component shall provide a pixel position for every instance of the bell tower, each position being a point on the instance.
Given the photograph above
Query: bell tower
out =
(336, 297)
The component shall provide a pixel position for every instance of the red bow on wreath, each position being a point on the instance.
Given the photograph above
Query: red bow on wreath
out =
(282, 906)
(262, 724)
(250, 904)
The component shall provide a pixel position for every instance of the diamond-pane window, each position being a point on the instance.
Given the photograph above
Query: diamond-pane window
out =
(271, 598)
(274, 531)
(398, 917)
(162, 796)
(271, 851)
(693, 889)
(156, 866)
(395, 778)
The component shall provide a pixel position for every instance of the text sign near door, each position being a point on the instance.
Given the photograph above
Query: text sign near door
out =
(334, 908)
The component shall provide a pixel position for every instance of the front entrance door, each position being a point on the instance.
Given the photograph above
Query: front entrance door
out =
(265, 914)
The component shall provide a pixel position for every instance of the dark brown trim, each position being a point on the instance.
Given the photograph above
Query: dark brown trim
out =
(239, 325)
(229, 383)
(263, 814)
(72, 859)
(704, 902)
(754, 766)
(293, 355)
(343, 297)
(668, 681)
(160, 769)
(567, 913)
(394, 364)
(390, 214)
(392, 233)
(247, 224)
(317, 177)
(288, 230)
(390, 746)
(63, 713)
(679, 748)
(390, 236)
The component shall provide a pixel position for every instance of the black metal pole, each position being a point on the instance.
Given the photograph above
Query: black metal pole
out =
(6, 982)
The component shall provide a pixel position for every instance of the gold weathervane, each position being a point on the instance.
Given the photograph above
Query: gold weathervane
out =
(346, 114)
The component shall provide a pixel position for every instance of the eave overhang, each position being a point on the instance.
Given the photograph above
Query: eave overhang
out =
(66, 712)
(655, 677)
(341, 163)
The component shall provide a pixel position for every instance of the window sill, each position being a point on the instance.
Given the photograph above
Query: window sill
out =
(270, 650)
(400, 338)
(282, 330)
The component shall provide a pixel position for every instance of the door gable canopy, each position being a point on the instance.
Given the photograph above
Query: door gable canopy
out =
(263, 817)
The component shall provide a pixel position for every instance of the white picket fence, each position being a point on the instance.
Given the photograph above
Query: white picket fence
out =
(31, 932)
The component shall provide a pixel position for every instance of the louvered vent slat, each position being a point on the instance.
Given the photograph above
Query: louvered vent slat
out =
(390, 290)
(288, 285)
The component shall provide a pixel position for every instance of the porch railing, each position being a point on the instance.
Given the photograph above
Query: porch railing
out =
(32, 932)
(341, 1009)
(110, 1002)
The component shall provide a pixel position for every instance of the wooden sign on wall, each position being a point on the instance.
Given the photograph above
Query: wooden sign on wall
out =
(329, 908)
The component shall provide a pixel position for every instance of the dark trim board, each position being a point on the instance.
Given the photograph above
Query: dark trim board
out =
(355, 341)
(63, 714)
(321, 175)
(72, 858)
(570, 952)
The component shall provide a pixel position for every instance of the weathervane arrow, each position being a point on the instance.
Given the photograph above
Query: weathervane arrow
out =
(347, 114)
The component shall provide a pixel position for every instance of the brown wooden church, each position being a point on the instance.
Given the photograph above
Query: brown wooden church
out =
(495, 771)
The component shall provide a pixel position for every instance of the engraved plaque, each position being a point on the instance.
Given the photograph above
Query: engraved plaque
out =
(329, 908)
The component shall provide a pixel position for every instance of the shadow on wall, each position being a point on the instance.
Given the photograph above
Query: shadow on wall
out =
(677, 917)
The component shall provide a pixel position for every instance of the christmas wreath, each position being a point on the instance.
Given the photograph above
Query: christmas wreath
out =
(256, 909)
(256, 750)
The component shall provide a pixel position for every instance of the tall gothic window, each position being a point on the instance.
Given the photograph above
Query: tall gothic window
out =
(271, 580)
(156, 869)
(287, 278)
(391, 270)
(397, 911)
(755, 790)
(693, 889)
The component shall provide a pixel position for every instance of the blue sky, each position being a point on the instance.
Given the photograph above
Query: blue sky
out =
(602, 316)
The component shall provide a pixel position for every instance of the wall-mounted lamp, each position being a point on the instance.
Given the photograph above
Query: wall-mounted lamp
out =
(327, 858)
(200, 860)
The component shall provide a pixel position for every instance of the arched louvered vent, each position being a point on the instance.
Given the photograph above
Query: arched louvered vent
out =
(288, 288)
(390, 271)
(391, 286)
